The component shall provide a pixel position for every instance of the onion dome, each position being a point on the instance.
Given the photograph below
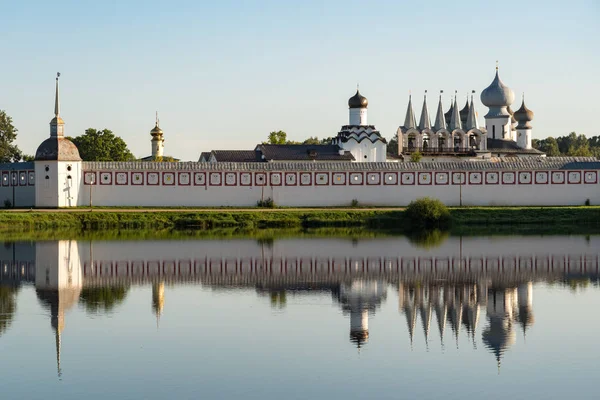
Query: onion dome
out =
(512, 115)
(523, 116)
(497, 94)
(156, 131)
(358, 101)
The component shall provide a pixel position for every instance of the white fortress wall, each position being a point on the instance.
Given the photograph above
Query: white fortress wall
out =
(520, 183)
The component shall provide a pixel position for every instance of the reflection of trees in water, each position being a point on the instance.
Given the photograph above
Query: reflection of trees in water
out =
(103, 299)
(8, 306)
(278, 299)
(428, 239)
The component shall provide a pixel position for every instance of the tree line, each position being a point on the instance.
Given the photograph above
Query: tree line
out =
(570, 145)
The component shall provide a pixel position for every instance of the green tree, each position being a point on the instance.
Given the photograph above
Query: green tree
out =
(103, 299)
(578, 146)
(28, 157)
(8, 134)
(392, 147)
(279, 137)
(312, 140)
(548, 146)
(102, 145)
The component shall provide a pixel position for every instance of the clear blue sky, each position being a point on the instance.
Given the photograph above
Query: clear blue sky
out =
(222, 74)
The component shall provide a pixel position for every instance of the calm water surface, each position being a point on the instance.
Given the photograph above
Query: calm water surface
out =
(320, 318)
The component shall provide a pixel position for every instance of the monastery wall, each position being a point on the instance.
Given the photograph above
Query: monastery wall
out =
(563, 182)
(17, 184)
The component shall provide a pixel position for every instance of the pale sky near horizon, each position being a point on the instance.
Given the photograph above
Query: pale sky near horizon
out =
(222, 74)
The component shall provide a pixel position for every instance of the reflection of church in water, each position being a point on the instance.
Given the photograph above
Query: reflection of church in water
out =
(459, 307)
(460, 299)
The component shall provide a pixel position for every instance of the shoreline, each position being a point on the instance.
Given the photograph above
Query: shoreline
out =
(462, 218)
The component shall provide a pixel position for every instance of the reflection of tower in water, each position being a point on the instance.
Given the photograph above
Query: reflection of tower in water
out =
(58, 282)
(360, 298)
(459, 306)
(158, 300)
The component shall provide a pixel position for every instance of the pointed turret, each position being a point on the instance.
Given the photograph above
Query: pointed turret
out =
(57, 338)
(464, 113)
(426, 311)
(448, 114)
(57, 125)
(472, 117)
(440, 119)
(409, 121)
(455, 118)
(425, 122)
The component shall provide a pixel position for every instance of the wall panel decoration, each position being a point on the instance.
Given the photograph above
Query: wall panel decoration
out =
(525, 177)
(373, 178)
(291, 179)
(199, 178)
(230, 178)
(5, 178)
(442, 178)
(541, 177)
(390, 178)
(459, 178)
(475, 178)
(407, 178)
(152, 178)
(321, 178)
(22, 178)
(137, 178)
(557, 177)
(260, 179)
(574, 177)
(215, 179)
(168, 178)
(31, 178)
(590, 177)
(492, 178)
(106, 178)
(339, 178)
(184, 178)
(305, 178)
(425, 178)
(356, 178)
(509, 178)
(121, 178)
(90, 178)
(245, 178)
(275, 178)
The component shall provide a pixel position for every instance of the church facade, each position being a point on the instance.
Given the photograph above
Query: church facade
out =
(59, 178)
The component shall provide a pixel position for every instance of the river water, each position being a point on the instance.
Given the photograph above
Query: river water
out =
(296, 318)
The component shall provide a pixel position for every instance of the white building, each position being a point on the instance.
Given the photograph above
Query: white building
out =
(358, 137)
(457, 135)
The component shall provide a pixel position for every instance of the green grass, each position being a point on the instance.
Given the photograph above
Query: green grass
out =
(569, 219)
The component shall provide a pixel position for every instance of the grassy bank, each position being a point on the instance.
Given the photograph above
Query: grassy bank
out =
(562, 219)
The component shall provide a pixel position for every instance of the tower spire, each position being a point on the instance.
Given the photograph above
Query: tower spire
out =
(409, 121)
(56, 100)
(455, 122)
(472, 117)
(425, 122)
(440, 119)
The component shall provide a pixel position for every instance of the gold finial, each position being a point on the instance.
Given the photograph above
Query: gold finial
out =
(156, 118)
(496, 65)
(357, 87)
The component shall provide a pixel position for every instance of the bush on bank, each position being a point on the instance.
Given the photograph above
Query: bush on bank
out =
(427, 213)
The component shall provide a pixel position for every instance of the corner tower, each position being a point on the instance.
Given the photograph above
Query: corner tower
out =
(57, 165)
